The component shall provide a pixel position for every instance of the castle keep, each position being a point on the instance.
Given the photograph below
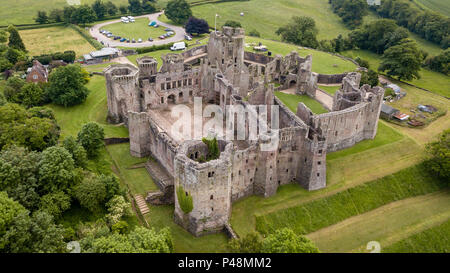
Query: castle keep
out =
(223, 74)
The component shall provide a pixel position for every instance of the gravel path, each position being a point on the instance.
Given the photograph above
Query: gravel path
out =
(179, 33)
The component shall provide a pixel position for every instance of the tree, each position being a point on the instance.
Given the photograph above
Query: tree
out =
(67, 13)
(77, 151)
(112, 185)
(100, 9)
(91, 193)
(148, 7)
(34, 234)
(301, 31)
(12, 89)
(111, 8)
(140, 240)
(134, 6)
(91, 138)
(117, 208)
(19, 127)
(31, 95)
(402, 61)
(233, 24)
(56, 170)
(178, 11)
(15, 41)
(286, 241)
(5, 64)
(370, 78)
(197, 26)
(250, 243)
(123, 9)
(439, 156)
(42, 17)
(351, 11)
(56, 15)
(14, 55)
(9, 210)
(440, 63)
(55, 203)
(83, 15)
(19, 174)
(67, 85)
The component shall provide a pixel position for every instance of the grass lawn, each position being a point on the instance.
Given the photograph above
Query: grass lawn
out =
(436, 82)
(389, 224)
(97, 67)
(137, 179)
(54, 39)
(71, 119)
(267, 16)
(162, 216)
(441, 6)
(432, 240)
(330, 89)
(136, 30)
(24, 11)
(323, 63)
(291, 101)
(312, 216)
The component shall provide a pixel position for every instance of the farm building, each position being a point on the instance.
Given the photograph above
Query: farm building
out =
(105, 54)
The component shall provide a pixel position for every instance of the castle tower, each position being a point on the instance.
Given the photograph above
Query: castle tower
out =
(122, 91)
(207, 185)
(266, 178)
(375, 100)
(226, 47)
(139, 129)
(148, 66)
(172, 63)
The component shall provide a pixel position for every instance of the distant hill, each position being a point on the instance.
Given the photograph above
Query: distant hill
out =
(441, 6)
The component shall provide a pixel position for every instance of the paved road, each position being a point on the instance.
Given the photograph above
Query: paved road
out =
(179, 33)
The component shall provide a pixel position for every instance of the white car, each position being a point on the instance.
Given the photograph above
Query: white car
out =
(187, 37)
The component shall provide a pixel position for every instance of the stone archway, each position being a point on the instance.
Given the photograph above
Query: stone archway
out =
(171, 99)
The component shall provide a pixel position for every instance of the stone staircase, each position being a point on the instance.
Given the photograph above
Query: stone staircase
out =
(142, 205)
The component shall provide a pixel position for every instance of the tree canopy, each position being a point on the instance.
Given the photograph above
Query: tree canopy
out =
(178, 11)
(67, 85)
(196, 26)
(300, 31)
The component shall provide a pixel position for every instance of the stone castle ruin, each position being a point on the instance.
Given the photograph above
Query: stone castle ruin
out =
(222, 73)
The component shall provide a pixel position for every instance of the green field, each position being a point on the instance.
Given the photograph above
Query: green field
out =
(312, 216)
(71, 119)
(389, 224)
(136, 30)
(24, 11)
(292, 100)
(131, 169)
(432, 240)
(436, 82)
(54, 39)
(441, 6)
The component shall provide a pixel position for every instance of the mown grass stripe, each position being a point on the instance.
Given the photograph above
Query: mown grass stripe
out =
(309, 217)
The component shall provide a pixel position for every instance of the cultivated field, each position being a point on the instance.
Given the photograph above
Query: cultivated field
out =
(441, 6)
(54, 39)
(24, 11)
(386, 225)
(136, 30)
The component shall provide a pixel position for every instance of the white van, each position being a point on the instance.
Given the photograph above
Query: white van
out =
(178, 46)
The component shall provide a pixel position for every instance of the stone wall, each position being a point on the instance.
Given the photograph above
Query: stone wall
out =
(330, 78)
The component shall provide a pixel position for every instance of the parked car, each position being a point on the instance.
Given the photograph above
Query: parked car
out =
(156, 25)
(187, 37)
(168, 29)
(123, 40)
(170, 32)
(139, 40)
(128, 40)
(133, 40)
(162, 37)
(150, 39)
(117, 37)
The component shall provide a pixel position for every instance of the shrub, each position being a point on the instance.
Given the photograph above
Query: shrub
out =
(117, 208)
(254, 33)
(91, 193)
(91, 138)
(184, 200)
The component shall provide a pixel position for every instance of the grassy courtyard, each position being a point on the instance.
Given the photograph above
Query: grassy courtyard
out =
(330, 89)
(136, 30)
(292, 100)
(56, 39)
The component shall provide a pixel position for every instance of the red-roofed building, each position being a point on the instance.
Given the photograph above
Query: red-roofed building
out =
(38, 73)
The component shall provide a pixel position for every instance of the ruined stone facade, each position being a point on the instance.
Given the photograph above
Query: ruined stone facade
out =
(222, 74)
